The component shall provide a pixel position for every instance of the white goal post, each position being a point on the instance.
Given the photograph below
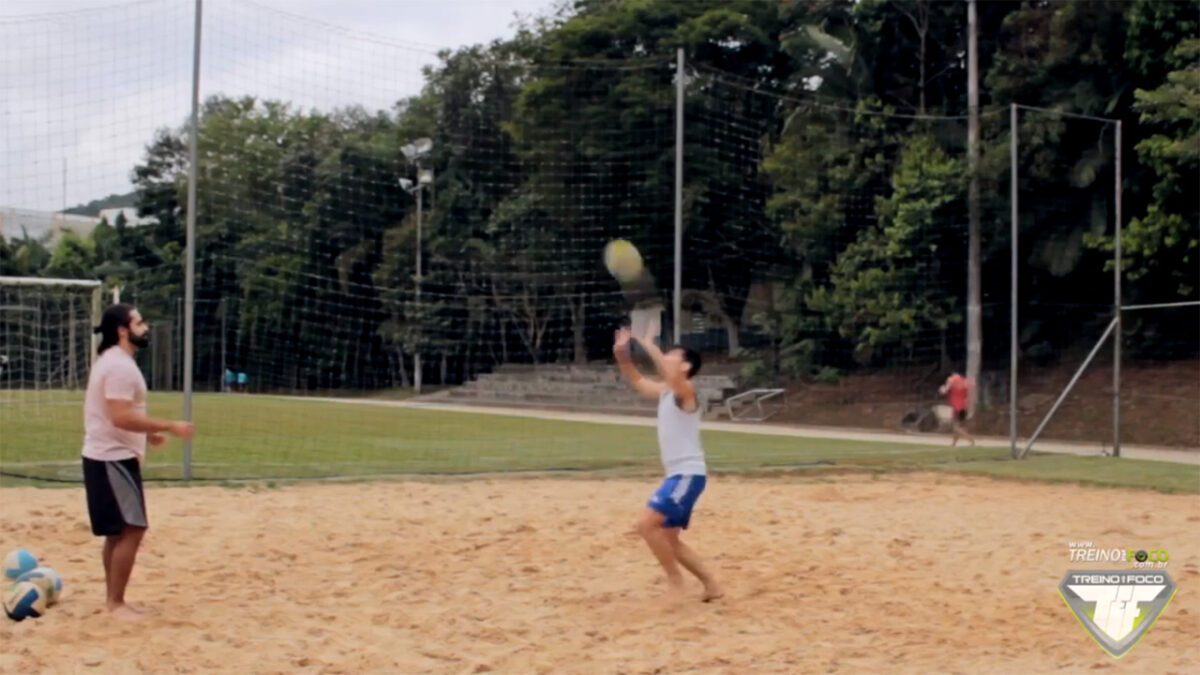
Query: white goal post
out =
(45, 324)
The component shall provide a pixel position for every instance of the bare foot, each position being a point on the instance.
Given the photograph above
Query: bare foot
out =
(712, 593)
(140, 609)
(125, 613)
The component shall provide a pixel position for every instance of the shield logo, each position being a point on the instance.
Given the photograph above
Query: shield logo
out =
(1117, 607)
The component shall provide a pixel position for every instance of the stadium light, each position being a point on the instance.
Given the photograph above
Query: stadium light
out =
(417, 149)
(414, 152)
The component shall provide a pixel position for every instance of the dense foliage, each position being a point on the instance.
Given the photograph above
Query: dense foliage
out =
(824, 192)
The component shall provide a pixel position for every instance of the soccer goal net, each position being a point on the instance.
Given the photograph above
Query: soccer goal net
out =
(46, 347)
(46, 335)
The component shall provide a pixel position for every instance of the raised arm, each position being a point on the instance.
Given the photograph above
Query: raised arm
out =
(655, 354)
(643, 385)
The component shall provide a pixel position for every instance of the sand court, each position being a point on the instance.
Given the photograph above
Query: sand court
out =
(903, 573)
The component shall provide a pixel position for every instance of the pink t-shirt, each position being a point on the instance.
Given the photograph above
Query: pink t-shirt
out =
(957, 390)
(115, 375)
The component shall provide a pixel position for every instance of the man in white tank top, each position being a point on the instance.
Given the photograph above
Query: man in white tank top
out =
(669, 510)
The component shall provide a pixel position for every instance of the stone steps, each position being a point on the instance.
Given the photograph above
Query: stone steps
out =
(590, 388)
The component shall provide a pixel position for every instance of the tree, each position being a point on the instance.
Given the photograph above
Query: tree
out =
(523, 266)
(889, 288)
(25, 257)
(1089, 58)
(285, 221)
(1160, 248)
(826, 166)
(8, 266)
(620, 154)
(464, 107)
(471, 98)
(1063, 57)
(73, 257)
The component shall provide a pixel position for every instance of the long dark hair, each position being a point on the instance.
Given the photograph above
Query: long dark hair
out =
(115, 317)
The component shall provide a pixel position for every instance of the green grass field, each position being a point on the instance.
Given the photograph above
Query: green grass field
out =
(259, 437)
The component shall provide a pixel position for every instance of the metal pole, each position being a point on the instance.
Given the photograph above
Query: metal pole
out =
(1117, 301)
(1012, 329)
(417, 355)
(190, 275)
(974, 264)
(72, 374)
(224, 339)
(1074, 378)
(37, 340)
(1161, 305)
(173, 356)
(97, 312)
(677, 299)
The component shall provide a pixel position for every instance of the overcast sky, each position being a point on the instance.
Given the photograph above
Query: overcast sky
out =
(86, 82)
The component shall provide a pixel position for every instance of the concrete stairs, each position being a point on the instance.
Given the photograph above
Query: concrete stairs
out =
(589, 388)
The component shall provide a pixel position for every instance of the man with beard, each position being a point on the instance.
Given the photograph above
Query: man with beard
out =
(116, 429)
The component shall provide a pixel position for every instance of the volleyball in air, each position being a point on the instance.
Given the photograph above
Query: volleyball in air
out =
(623, 260)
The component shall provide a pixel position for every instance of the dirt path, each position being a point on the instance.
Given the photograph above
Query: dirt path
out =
(1184, 456)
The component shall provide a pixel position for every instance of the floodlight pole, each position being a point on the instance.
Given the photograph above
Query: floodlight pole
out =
(677, 299)
(1013, 254)
(189, 285)
(417, 354)
(414, 152)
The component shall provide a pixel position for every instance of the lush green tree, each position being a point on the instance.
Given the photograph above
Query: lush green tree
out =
(801, 169)
(621, 155)
(8, 259)
(74, 257)
(890, 289)
(1160, 248)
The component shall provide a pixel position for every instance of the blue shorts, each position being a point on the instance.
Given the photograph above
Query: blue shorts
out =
(676, 497)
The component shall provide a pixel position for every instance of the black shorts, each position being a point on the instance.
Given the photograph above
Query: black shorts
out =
(960, 415)
(115, 497)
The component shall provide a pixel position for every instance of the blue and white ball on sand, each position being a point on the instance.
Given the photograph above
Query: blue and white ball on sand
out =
(18, 562)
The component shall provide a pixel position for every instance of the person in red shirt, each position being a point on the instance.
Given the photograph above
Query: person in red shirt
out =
(958, 390)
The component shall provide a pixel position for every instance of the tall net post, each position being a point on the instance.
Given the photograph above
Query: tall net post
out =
(1064, 159)
(1118, 193)
(189, 282)
(677, 290)
(1071, 389)
(1014, 289)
